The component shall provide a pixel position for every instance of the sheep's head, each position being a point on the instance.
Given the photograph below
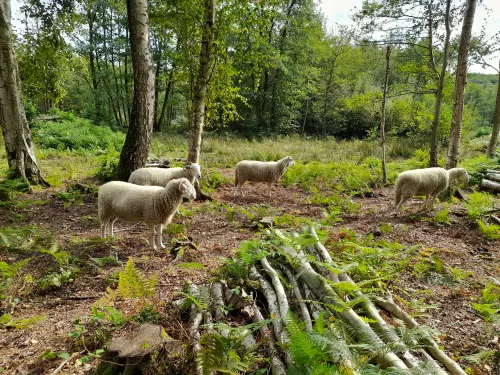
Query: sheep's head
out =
(460, 176)
(194, 170)
(289, 162)
(187, 189)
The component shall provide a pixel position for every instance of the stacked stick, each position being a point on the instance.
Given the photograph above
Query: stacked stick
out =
(305, 277)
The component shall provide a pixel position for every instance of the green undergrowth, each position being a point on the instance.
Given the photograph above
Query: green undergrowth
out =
(479, 206)
(76, 134)
(488, 306)
(131, 302)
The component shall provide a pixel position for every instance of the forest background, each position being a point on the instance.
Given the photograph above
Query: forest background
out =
(278, 69)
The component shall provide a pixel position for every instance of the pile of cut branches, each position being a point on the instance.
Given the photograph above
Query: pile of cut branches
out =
(308, 314)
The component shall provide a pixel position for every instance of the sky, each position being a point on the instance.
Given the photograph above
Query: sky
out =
(339, 12)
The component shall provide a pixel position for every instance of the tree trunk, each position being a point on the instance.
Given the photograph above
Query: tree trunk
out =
(461, 81)
(168, 91)
(382, 114)
(138, 139)
(201, 86)
(91, 17)
(16, 133)
(496, 121)
(433, 162)
(156, 124)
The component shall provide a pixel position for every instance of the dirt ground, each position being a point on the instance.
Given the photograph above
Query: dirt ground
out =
(216, 237)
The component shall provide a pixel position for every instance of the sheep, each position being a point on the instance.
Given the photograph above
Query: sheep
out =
(260, 171)
(161, 176)
(153, 205)
(426, 181)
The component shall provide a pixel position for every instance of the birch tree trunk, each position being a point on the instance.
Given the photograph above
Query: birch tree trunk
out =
(382, 114)
(138, 139)
(16, 133)
(496, 122)
(433, 162)
(460, 83)
(201, 86)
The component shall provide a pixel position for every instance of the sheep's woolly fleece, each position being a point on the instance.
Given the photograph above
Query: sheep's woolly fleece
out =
(153, 205)
(427, 182)
(260, 171)
(161, 176)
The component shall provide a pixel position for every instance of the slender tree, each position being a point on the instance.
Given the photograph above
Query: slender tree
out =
(382, 112)
(138, 139)
(460, 83)
(496, 121)
(433, 160)
(201, 85)
(16, 133)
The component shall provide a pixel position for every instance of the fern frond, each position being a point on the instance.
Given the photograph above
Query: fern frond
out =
(108, 299)
(133, 284)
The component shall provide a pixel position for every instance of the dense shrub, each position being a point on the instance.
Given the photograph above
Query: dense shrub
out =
(76, 134)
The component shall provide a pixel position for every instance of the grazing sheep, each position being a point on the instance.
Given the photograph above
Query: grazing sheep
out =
(161, 176)
(426, 181)
(260, 171)
(153, 205)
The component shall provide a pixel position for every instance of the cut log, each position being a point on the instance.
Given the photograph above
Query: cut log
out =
(493, 176)
(149, 338)
(490, 185)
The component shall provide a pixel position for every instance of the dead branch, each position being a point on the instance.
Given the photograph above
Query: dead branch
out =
(278, 287)
(306, 317)
(363, 331)
(196, 318)
(277, 365)
(496, 219)
(272, 302)
(431, 345)
(216, 291)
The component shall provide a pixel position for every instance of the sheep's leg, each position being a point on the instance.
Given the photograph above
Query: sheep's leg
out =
(153, 236)
(269, 187)
(103, 228)
(426, 201)
(402, 200)
(241, 190)
(159, 235)
(433, 200)
(111, 225)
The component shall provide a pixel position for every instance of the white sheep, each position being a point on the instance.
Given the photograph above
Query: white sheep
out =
(427, 181)
(260, 171)
(161, 176)
(153, 205)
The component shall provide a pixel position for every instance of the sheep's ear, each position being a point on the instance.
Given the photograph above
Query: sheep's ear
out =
(183, 187)
(187, 166)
